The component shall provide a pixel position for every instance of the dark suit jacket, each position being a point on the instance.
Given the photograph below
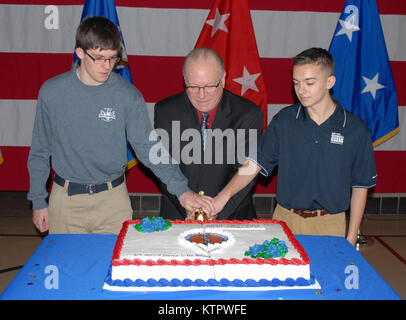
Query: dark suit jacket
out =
(234, 112)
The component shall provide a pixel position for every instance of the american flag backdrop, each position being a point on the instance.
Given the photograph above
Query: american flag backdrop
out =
(37, 43)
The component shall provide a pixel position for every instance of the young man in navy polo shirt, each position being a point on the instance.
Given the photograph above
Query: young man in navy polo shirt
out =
(323, 152)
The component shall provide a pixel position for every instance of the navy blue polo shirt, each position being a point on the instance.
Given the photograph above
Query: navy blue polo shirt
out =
(317, 164)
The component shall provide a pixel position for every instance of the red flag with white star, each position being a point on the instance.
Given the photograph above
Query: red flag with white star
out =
(228, 30)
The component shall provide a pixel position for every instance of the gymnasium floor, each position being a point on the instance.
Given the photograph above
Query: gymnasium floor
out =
(384, 236)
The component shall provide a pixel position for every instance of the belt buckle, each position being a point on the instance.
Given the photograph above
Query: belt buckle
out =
(310, 212)
(90, 189)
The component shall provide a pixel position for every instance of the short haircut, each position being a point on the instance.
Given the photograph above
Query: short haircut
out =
(98, 33)
(203, 53)
(317, 56)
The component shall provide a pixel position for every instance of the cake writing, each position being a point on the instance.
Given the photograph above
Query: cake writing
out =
(234, 227)
(169, 255)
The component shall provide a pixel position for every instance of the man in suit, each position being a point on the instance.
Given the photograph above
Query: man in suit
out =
(233, 128)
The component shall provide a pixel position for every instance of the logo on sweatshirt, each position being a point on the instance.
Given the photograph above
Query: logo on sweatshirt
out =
(337, 138)
(107, 114)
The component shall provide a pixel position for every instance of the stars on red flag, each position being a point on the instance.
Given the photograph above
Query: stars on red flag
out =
(218, 23)
(247, 81)
(229, 31)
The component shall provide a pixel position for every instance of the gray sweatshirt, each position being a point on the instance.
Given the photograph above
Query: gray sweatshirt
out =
(84, 130)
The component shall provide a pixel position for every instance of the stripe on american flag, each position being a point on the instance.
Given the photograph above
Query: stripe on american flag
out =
(157, 35)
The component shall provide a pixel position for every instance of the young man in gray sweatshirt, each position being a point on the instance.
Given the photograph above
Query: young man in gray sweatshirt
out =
(83, 121)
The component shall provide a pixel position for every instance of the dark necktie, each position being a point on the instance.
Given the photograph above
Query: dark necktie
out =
(203, 128)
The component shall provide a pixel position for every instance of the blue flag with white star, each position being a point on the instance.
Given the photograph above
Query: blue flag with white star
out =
(107, 8)
(365, 83)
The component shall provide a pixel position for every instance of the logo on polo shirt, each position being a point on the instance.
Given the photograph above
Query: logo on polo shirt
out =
(107, 114)
(337, 138)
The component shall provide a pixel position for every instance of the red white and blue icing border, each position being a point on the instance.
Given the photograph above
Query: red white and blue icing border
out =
(210, 283)
(150, 283)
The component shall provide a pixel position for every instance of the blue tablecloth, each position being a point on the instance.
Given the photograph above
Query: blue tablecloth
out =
(75, 266)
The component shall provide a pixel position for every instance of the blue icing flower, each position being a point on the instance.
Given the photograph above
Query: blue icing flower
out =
(255, 249)
(151, 225)
(147, 225)
(268, 249)
(273, 251)
(159, 223)
(283, 246)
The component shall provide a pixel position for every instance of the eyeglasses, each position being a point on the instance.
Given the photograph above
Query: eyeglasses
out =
(102, 60)
(207, 89)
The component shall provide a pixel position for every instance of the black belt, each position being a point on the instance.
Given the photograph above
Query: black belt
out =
(77, 188)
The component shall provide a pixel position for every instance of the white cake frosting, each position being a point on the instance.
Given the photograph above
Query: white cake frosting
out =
(170, 255)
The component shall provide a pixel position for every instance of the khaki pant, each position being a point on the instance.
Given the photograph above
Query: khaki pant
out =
(329, 224)
(103, 212)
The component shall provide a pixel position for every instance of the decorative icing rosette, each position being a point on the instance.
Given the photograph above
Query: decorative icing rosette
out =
(153, 224)
(268, 249)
